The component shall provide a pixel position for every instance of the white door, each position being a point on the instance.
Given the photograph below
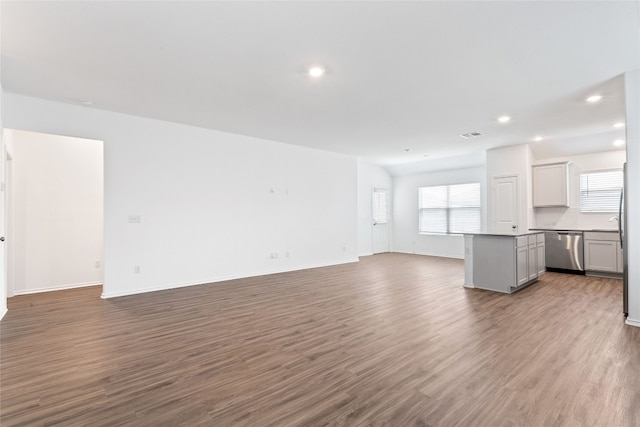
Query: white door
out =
(8, 224)
(3, 275)
(380, 199)
(504, 212)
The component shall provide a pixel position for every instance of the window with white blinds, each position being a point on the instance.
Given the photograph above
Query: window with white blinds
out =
(450, 209)
(600, 191)
(380, 207)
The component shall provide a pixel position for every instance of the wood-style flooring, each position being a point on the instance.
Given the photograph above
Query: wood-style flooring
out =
(394, 340)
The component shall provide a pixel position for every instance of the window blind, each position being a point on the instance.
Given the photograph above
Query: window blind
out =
(451, 209)
(600, 191)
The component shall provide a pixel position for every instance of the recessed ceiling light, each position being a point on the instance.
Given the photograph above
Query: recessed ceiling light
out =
(504, 119)
(618, 125)
(594, 98)
(618, 142)
(316, 72)
(538, 138)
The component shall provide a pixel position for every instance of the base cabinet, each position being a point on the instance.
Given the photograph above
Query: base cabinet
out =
(503, 263)
(602, 252)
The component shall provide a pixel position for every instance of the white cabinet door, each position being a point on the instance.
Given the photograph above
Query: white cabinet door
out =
(532, 264)
(522, 265)
(551, 185)
(601, 255)
(540, 258)
(620, 259)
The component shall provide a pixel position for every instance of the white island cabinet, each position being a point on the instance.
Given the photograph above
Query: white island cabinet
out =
(503, 263)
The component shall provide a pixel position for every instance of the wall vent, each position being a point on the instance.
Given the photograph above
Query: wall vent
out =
(471, 135)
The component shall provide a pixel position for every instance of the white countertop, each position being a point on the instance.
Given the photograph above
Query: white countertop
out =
(601, 230)
(526, 233)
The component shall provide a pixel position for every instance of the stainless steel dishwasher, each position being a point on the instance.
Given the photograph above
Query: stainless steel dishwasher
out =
(564, 251)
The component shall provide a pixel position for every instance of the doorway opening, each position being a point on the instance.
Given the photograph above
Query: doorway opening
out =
(54, 221)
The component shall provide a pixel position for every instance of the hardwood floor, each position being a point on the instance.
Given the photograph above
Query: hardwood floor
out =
(394, 340)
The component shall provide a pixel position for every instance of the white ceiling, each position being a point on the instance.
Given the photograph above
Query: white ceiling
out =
(399, 74)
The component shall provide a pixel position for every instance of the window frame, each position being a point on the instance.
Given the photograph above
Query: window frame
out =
(613, 209)
(448, 210)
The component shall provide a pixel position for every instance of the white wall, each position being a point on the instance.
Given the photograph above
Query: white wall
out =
(57, 203)
(632, 193)
(3, 289)
(563, 217)
(406, 238)
(370, 177)
(514, 160)
(213, 205)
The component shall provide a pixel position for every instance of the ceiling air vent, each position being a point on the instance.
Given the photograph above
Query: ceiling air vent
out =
(471, 135)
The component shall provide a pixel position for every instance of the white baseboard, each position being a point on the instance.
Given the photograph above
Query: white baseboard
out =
(451, 256)
(54, 288)
(2, 313)
(632, 322)
(107, 295)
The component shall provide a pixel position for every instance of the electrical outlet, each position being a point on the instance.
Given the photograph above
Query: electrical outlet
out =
(136, 269)
(274, 255)
(135, 219)
(97, 264)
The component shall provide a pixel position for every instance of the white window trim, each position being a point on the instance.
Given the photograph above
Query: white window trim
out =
(594, 171)
(448, 233)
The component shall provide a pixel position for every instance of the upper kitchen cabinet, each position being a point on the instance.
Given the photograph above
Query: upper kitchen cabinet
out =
(551, 185)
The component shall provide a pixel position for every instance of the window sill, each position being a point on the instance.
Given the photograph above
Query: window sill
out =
(423, 233)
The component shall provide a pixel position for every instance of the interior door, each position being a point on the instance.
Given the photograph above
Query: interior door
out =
(3, 275)
(380, 200)
(504, 212)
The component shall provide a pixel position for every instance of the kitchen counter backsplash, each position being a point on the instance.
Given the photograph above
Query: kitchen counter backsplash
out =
(572, 219)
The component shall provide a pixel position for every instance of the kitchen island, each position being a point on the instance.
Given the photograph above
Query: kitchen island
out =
(503, 262)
